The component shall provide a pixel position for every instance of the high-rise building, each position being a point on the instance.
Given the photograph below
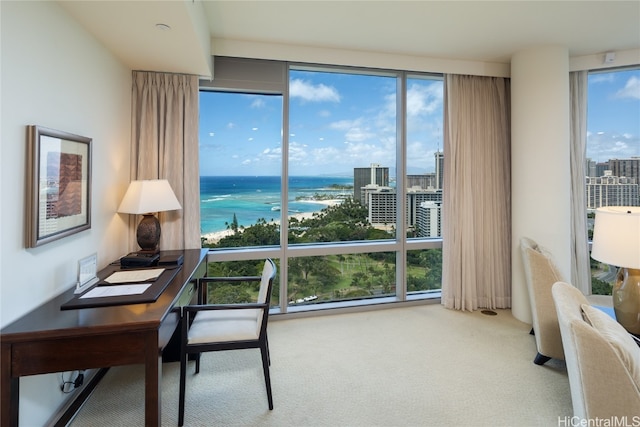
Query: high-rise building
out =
(590, 168)
(373, 175)
(601, 168)
(382, 204)
(610, 190)
(429, 219)
(425, 181)
(439, 155)
(628, 168)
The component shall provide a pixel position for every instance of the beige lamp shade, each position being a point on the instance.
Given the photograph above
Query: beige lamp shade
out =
(616, 236)
(148, 196)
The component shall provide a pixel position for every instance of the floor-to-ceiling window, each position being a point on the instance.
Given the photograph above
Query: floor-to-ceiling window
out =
(613, 151)
(335, 173)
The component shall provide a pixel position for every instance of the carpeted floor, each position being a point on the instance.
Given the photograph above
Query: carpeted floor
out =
(412, 366)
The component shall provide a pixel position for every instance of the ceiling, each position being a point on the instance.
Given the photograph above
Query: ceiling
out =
(490, 31)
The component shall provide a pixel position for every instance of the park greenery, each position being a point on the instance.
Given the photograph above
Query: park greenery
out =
(334, 277)
(324, 278)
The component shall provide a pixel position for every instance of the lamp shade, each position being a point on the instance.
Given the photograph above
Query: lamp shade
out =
(616, 236)
(149, 196)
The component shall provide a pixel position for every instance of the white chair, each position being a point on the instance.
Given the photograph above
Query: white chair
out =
(216, 327)
(603, 361)
(541, 273)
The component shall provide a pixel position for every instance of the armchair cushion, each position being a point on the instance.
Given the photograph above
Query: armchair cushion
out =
(224, 325)
(618, 337)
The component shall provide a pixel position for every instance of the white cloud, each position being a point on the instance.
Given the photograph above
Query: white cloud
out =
(307, 91)
(354, 130)
(258, 103)
(423, 99)
(344, 125)
(297, 153)
(631, 89)
(357, 134)
(602, 146)
(602, 78)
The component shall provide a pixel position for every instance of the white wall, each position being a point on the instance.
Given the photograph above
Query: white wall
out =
(354, 58)
(540, 195)
(55, 74)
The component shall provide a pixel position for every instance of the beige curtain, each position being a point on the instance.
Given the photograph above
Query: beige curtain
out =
(580, 263)
(164, 145)
(476, 223)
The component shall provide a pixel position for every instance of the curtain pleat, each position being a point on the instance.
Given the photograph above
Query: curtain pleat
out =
(580, 263)
(164, 145)
(476, 224)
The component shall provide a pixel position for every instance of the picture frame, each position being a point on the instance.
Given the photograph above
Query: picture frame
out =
(58, 202)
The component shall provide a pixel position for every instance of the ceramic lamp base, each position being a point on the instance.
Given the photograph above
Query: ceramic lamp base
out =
(148, 234)
(626, 299)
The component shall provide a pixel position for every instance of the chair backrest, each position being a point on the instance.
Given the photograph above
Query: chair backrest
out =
(601, 386)
(567, 301)
(541, 273)
(264, 295)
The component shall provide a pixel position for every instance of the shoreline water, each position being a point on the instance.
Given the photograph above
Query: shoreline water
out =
(216, 236)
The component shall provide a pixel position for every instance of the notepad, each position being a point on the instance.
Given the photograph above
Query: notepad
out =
(116, 291)
(134, 276)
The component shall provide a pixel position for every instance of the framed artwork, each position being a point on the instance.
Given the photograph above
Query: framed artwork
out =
(58, 185)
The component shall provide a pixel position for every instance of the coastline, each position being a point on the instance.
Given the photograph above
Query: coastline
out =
(215, 236)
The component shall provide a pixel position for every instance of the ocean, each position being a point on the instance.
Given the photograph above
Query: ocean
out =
(253, 197)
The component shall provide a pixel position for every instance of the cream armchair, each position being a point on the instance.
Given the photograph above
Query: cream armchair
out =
(603, 361)
(541, 273)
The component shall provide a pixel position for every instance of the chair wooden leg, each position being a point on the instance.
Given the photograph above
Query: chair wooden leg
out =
(183, 371)
(264, 350)
(268, 353)
(198, 363)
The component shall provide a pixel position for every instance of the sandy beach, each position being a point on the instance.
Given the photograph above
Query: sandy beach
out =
(213, 238)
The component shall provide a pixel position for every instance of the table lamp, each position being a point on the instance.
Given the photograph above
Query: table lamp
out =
(616, 241)
(145, 198)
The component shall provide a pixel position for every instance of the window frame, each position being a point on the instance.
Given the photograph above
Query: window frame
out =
(400, 244)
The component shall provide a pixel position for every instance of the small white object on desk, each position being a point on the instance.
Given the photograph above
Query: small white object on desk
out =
(134, 276)
(116, 291)
(87, 269)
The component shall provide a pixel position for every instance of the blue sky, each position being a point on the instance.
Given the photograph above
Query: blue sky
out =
(341, 121)
(613, 115)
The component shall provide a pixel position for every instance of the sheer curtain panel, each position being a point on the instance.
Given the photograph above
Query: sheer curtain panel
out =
(580, 262)
(164, 145)
(476, 224)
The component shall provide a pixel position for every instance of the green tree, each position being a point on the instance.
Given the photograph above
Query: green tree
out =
(600, 287)
(229, 294)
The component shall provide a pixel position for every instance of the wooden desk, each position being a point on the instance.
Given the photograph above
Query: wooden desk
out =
(49, 340)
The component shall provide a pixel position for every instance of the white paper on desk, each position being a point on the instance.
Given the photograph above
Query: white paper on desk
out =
(116, 290)
(133, 276)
